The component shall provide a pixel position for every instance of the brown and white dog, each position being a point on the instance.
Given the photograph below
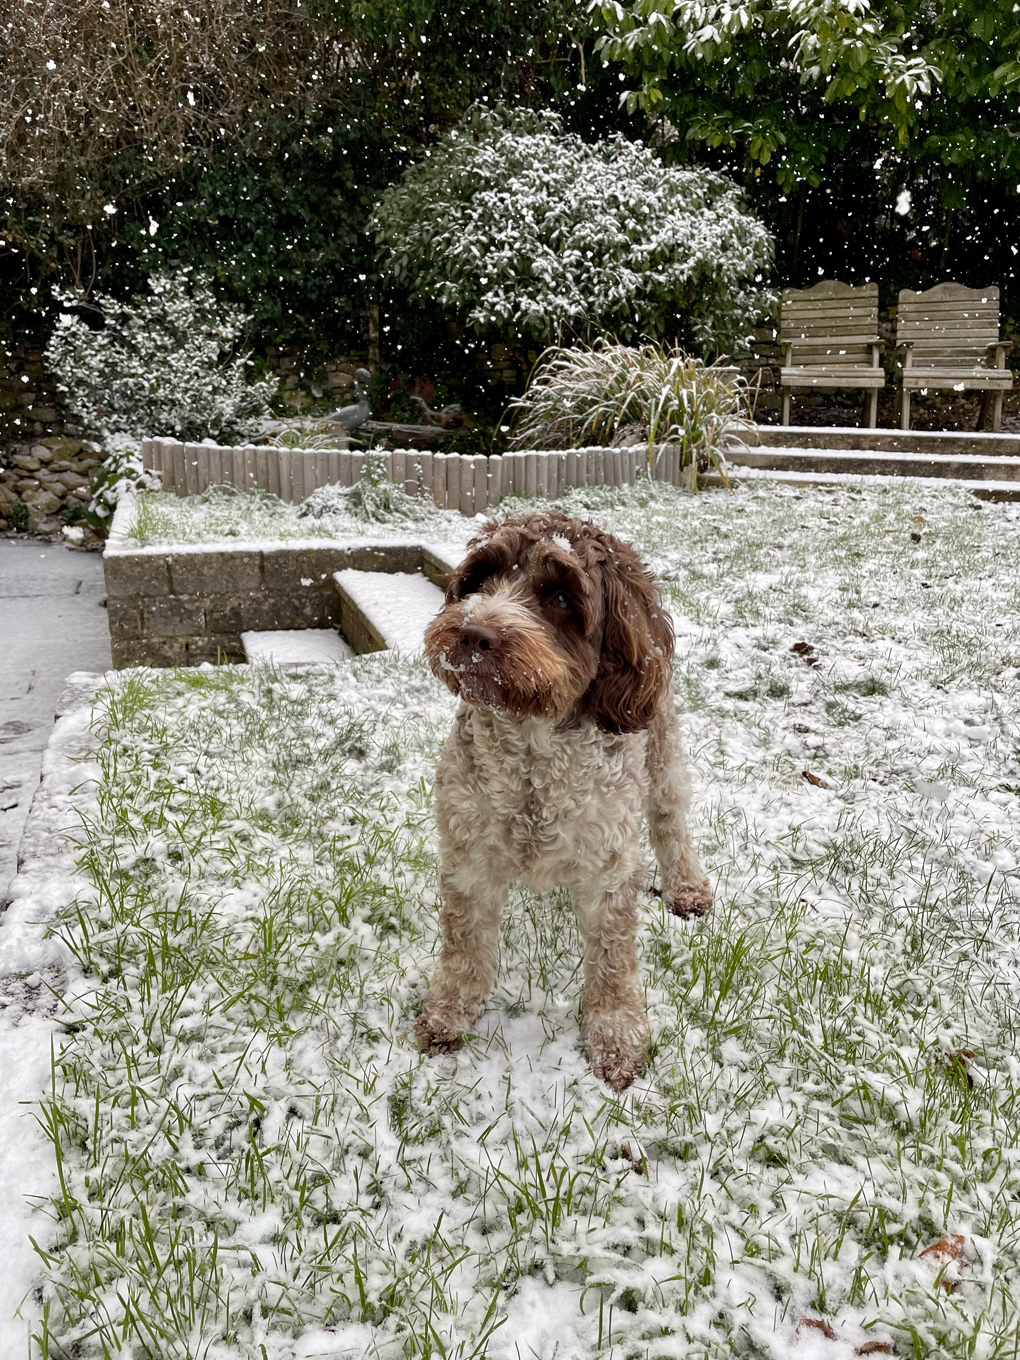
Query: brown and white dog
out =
(554, 638)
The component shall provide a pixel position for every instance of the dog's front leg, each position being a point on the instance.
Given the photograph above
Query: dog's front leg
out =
(467, 963)
(616, 1034)
(685, 888)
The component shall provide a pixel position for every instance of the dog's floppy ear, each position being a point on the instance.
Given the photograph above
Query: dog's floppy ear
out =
(493, 551)
(635, 663)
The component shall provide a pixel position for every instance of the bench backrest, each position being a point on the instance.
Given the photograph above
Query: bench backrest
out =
(830, 324)
(948, 323)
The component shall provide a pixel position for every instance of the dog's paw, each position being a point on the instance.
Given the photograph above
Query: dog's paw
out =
(434, 1037)
(440, 1028)
(688, 899)
(617, 1047)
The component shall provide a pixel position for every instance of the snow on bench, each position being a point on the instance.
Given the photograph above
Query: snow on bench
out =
(383, 610)
(308, 646)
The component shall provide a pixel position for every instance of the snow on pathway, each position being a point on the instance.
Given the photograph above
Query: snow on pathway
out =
(33, 972)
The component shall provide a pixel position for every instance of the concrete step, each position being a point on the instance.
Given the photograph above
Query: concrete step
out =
(295, 646)
(983, 490)
(973, 467)
(924, 442)
(382, 610)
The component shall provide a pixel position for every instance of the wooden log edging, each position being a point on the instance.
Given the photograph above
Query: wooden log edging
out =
(469, 483)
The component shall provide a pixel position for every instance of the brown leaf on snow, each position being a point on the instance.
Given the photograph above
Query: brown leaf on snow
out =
(816, 780)
(820, 1325)
(637, 1162)
(957, 1064)
(806, 652)
(817, 1325)
(950, 1247)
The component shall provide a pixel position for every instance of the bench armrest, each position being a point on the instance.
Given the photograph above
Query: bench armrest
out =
(1002, 348)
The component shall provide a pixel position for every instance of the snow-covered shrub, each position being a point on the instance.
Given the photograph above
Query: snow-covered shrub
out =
(520, 228)
(616, 394)
(120, 471)
(165, 363)
(373, 498)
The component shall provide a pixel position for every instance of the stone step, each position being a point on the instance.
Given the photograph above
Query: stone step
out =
(295, 646)
(973, 467)
(983, 490)
(383, 610)
(981, 445)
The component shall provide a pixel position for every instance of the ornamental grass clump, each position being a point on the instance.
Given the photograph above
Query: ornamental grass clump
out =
(616, 394)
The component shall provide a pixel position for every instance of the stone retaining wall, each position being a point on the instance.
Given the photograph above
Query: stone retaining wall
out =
(182, 605)
(46, 484)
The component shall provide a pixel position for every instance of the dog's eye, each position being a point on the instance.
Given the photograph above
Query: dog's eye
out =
(561, 600)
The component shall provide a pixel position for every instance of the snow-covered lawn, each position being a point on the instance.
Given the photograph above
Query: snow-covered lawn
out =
(254, 1159)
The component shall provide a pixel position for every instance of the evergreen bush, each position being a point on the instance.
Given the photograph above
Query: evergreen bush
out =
(166, 363)
(519, 228)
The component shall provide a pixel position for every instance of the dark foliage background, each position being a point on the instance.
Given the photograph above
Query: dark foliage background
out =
(252, 137)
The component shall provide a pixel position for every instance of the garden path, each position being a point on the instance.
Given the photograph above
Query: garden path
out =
(51, 625)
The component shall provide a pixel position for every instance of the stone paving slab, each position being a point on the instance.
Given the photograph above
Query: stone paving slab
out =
(51, 623)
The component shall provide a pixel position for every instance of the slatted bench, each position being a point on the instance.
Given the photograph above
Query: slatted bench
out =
(947, 336)
(829, 338)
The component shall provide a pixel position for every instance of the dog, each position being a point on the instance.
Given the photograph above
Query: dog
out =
(555, 640)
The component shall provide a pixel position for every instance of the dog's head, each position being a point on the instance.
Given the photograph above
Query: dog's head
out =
(550, 617)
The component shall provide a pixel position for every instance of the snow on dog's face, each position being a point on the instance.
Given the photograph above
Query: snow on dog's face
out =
(549, 617)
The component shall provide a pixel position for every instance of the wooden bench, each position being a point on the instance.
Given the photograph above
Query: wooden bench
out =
(947, 336)
(828, 335)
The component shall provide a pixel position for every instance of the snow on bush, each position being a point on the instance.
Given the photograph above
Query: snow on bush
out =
(120, 471)
(519, 227)
(165, 363)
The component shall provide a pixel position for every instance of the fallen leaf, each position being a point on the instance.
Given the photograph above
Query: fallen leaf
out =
(816, 780)
(865, 1348)
(806, 652)
(958, 1065)
(638, 1162)
(950, 1247)
(817, 1325)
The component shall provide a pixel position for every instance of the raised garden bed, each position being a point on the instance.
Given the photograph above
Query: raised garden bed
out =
(185, 603)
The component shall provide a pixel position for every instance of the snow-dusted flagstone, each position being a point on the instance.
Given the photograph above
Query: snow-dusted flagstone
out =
(255, 1159)
(290, 646)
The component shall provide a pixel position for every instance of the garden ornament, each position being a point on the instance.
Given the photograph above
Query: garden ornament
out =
(353, 417)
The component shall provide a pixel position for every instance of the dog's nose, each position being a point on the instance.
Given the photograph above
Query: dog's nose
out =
(475, 637)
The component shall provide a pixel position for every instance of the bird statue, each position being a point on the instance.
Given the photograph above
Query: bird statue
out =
(449, 417)
(353, 417)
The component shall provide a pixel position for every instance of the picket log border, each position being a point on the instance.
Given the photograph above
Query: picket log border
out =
(468, 483)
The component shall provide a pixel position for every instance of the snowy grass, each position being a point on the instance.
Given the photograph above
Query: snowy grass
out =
(254, 516)
(255, 1161)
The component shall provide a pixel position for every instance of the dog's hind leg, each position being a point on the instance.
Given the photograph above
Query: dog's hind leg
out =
(685, 888)
(466, 966)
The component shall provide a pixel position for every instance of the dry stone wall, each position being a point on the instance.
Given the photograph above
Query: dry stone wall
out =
(45, 484)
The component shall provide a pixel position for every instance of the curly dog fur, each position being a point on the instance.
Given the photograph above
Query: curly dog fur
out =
(555, 640)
